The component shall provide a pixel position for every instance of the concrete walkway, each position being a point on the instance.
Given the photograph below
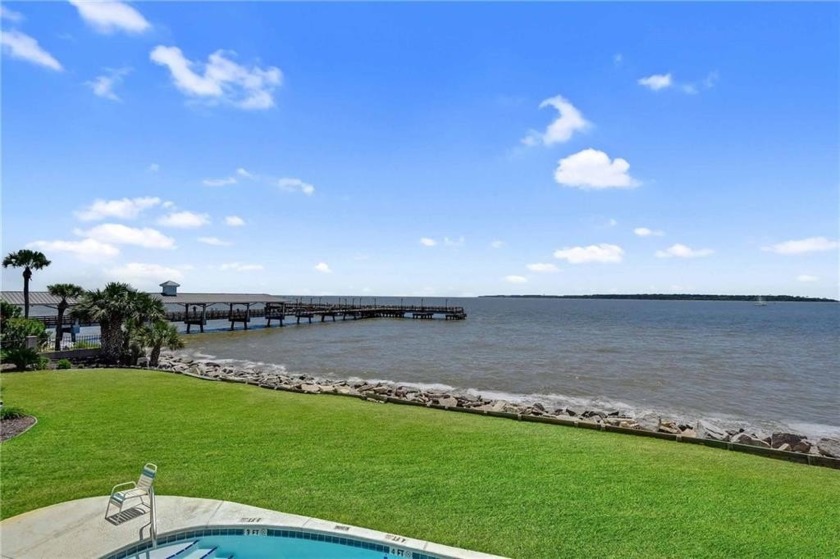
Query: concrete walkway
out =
(78, 529)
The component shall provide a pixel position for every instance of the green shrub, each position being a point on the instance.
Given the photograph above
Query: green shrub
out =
(16, 330)
(23, 358)
(11, 413)
(85, 345)
(64, 364)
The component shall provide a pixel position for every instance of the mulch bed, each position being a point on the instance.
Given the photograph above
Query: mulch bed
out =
(12, 427)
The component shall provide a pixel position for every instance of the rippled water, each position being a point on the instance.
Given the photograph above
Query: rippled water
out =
(776, 366)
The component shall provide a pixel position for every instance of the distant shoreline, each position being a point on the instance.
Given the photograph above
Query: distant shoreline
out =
(678, 297)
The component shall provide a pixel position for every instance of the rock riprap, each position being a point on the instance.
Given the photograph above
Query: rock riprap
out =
(381, 392)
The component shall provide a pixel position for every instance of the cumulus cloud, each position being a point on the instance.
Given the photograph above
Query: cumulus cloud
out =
(542, 267)
(323, 267)
(243, 173)
(111, 16)
(807, 278)
(125, 208)
(10, 15)
(645, 232)
(564, 126)
(184, 220)
(115, 233)
(516, 279)
(23, 47)
(656, 82)
(214, 241)
(239, 267)
(427, 242)
(219, 182)
(604, 253)
(811, 244)
(103, 86)
(682, 251)
(220, 80)
(89, 250)
(141, 274)
(593, 169)
(295, 185)
(234, 221)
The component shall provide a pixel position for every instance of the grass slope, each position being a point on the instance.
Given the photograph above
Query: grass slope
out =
(524, 490)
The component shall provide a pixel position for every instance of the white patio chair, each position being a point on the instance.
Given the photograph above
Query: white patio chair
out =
(123, 492)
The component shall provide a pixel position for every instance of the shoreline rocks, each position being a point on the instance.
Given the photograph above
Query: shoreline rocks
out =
(380, 392)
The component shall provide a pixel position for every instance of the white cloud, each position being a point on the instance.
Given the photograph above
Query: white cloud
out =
(103, 86)
(323, 267)
(126, 208)
(689, 88)
(295, 185)
(6, 13)
(184, 220)
(497, 244)
(142, 275)
(811, 244)
(243, 173)
(118, 234)
(169, 204)
(234, 221)
(645, 232)
(656, 81)
(22, 46)
(570, 121)
(604, 253)
(682, 251)
(618, 58)
(591, 168)
(214, 241)
(238, 267)
(516, 279)
(459, 242)
(711, 79)
(111, 16)
(221, 79)
(542, 267)
(807, 278)
(153, 168)
(89, 250)
(427, 242)
(219, 182)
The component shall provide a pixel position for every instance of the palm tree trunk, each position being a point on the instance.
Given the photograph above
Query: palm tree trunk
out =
(112, 341)
(59, 331)
(154, 357)
(27, 274)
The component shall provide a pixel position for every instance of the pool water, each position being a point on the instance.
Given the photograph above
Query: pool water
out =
(280, 545)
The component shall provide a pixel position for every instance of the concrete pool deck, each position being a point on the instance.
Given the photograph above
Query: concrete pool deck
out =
(79, 528)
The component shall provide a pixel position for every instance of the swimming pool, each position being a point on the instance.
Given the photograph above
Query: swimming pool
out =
(263, 543)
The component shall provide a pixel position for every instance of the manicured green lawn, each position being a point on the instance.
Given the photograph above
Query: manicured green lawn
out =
(524, 490)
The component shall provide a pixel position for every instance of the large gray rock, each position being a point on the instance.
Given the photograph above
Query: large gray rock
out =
(706, 430)
(448, 401)
(311, 388)
(743, 438)
(790, 439)
(829, 447)
(648, 422)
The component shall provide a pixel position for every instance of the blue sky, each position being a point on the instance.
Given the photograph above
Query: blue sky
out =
(428, 149)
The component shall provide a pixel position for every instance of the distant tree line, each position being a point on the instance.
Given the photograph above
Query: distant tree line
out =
(679, 297)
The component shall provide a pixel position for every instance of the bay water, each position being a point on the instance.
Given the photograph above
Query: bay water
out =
(764, 368)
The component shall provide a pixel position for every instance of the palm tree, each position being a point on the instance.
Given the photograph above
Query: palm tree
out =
(160, 333)
(117, 308)
(28, 260)
(65, 291)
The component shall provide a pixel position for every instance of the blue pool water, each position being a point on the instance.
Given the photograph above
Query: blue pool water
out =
(268, 544)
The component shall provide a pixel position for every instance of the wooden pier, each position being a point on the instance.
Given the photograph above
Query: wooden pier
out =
(242, 307)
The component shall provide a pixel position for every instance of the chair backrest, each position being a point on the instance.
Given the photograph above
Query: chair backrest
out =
(147, 476)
